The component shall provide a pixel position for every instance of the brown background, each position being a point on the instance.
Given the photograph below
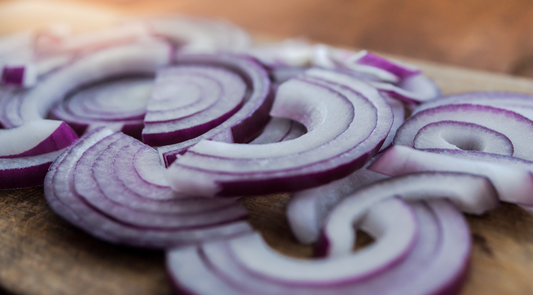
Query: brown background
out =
(492, 35)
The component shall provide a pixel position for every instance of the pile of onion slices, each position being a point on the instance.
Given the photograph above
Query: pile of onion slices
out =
(147, 134)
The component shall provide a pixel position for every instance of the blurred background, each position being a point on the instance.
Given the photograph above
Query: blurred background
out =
(483, 34)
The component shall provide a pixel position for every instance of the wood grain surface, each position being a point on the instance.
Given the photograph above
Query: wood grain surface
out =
(42, 254)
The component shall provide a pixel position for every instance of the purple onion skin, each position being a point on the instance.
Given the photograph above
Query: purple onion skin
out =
(244, 131)
(59, 139)
(23, 177)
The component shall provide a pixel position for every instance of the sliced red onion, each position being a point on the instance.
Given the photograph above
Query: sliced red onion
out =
(463, 136)
(308, 209)
(436, 264)
(515, 127)
(35, 138)
(24, 172)
(470, 193)
(248, 266)
(513, 183)
(247, 122)
(63, 198)
(332, 148)
(197, 35)
(280, 129)
(139, 58)
(96, 182)
(119, 103)
(190, 100)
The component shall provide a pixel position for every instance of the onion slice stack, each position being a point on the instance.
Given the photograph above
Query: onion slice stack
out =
(27, 151)
(90, 186)
(347, 121)
(307, 210)
(430, 256)
(247, 122)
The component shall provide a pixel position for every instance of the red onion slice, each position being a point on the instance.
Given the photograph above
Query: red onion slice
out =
(35, 138)
(463, 136)
(247, 122)
(62, 197)
(139, 58)
(436, 264)
(471, 193)
(515, 127)
(96, 183)
(189, 101)
(249, 256)
(391, 222)
(513, 183)
(331, 149)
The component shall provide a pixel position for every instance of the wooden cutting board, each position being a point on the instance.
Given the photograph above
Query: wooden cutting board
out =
(42, 254)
